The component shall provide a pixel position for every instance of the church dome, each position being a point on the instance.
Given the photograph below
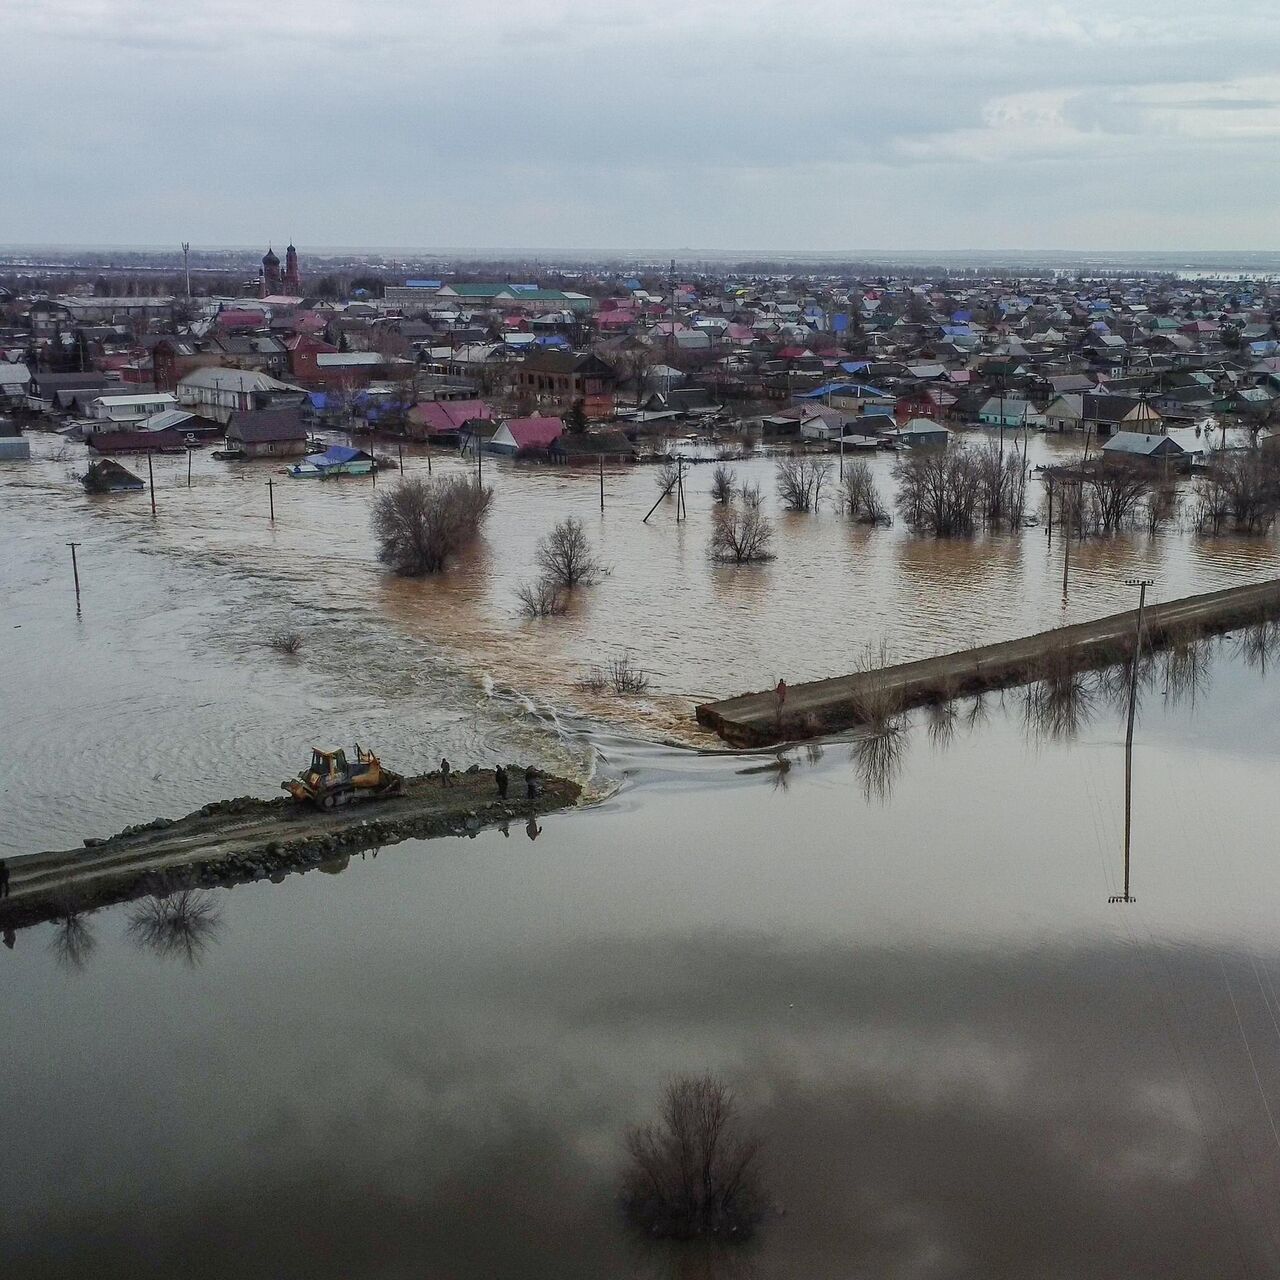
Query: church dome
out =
(269, 259)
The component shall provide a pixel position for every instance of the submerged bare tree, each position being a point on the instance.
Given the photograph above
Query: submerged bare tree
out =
(619, 675)
(667, 476)
(694, 1173)
(741, 535)
(939, 490)
(1002, 478)
(1213, 503)
(541, 598)
(1242, 489)
(1163, 503)
(421, 524)
(859, 496)
(285, 641)
(723, 484)
(566, 558)
(800, 482)
(1116, 493)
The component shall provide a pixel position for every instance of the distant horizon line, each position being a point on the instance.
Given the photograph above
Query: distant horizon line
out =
(586, 253)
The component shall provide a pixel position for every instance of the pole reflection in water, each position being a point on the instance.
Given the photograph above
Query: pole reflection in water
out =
(1135, 663)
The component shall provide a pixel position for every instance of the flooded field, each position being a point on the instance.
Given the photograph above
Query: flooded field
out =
(962, 1059)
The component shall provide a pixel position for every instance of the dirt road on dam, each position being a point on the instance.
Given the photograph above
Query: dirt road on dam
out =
(231, 841)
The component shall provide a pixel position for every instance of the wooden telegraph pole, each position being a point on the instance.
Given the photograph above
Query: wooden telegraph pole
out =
(271, 498)
(602, 484)
(151, 478)
(75, 572)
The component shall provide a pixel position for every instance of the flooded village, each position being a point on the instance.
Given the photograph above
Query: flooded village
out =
(696, 485)
(639, 642)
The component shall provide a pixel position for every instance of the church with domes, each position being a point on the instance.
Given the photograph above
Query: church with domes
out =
(272, 282)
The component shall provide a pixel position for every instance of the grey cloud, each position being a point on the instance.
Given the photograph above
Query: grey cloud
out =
(648, 123)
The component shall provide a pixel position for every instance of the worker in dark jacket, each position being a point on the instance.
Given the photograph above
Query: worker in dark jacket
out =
(445, 772)
(531, 782)
(502, 778)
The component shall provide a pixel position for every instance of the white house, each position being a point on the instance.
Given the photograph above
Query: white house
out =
(1010, 411)
(15, 379)
(217, 393)
(113, 412)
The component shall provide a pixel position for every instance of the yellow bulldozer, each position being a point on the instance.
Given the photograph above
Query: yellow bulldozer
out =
(332, 780)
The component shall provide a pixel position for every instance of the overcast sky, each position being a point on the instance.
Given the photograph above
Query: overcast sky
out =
(643, 124)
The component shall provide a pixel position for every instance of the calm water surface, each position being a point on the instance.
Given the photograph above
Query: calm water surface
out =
(964, 1061)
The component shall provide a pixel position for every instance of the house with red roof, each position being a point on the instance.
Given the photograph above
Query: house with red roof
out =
(303, 350)
(526, 437)
(440, 421)
(240, 318)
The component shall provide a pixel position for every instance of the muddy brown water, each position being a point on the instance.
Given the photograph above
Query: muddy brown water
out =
(964, 1061)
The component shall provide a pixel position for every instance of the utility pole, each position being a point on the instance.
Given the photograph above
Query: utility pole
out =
(186, 265)
(1142, 584)
(271, 498)
(190, 451)
(1066, 535)
(75, 572)
(151, 477)
(602, 484)
(400, 453)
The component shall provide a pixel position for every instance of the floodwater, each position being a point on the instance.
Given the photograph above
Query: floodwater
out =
(964, 1061)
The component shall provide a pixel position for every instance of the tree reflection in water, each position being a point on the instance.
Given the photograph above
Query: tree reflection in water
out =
(1258, 645)
(941, 720)
(181, 924)
(1060, 706)
(695, 1260)
(878, 758)
(73, 939)
(979, 711)
(1187, 670)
